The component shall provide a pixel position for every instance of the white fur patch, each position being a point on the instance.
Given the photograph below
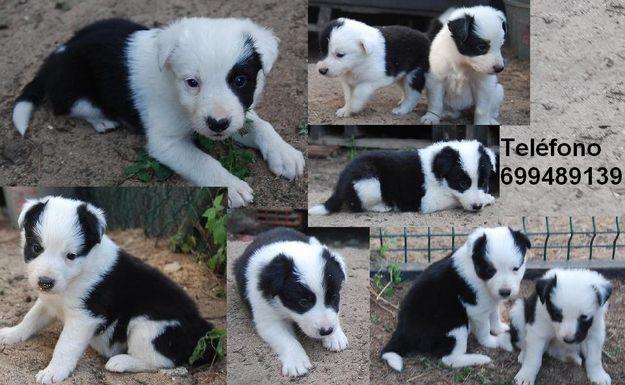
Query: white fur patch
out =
(394, 360)
(318, 210)
(21, 115)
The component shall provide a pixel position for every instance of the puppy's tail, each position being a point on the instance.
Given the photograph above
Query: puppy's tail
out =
(392, 352)
(437, 24)
(31, 97)
(333, 204)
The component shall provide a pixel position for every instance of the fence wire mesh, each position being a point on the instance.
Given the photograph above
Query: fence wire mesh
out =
(553, 239)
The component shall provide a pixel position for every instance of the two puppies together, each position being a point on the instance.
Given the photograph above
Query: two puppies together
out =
(197, 75)
(456, 60)
(564, 317)
(127, 311)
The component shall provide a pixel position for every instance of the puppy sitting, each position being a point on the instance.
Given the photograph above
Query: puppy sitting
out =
(440, 176)
(196, 75)
(286, 278)
(465, 57)
(565, 318)
(127, 311)
(458, 294)
(367, 58)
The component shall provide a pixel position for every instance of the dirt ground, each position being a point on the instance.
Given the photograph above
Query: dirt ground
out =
(59, 151)
(422, 369)
(20, 363)
(251, 361)
(325, 96)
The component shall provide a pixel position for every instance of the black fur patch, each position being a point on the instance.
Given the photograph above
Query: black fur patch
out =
(432, 308)
(280, 279)
(246, 69)
(401, 180)
(324, 36)
(466, 38)
(91, 230)
(583, 325)
(483, 268)
(447, 166)
(406, 50)
(521, 241)
(514, 335)
(133, 289)
(92, 67)
(530, 308)
(333, 278)
(485, 170)
(544, 287)
(31, 218)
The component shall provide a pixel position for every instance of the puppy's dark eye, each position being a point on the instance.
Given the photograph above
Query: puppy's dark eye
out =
(334, 298)
(584, 317)
(482, 47)
(192, 83)
(516, 268)
(70, 256)
(465, 184)
(340, 54)
(240, 81)
(37, 248)
(304, 302)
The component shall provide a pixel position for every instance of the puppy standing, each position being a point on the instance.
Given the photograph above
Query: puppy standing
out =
(565, 317)
(196, 75)
(127, 311)
(465, 57)
(367, 58)
(286, 278)
(460, 294)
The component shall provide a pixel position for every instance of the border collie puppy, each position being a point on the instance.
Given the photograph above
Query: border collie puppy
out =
(441, 176)
(465, 57)
(565, 317)
(366, 58)
(127, 311)
(285, 278)
(460, 294)
(197, 75)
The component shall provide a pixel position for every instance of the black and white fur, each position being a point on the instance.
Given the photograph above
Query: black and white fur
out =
(465, 57)
(367, 58)
(460, 294)
(287, 278)
(196, 75)
(565, 318)
(127, 311)
(441, 176)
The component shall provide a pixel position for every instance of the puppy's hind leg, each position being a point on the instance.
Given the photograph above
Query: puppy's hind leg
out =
(413, 84)
(84, 109)
(497, 101)
(458, 356)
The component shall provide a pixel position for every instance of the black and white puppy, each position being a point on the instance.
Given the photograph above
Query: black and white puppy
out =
(465, 57)
(124, 309)
(196, 75)
(367, 58)
(441, 176)
(460, 294)
(286, 278)
(564, 317)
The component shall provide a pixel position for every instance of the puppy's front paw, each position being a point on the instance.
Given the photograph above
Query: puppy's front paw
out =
(343, 112)
(335, 342)
(504, 341)
(524, 377)
(52, 374)
(295, 365)
(239, 193)
(599, 376)
(400, 110)
(285, 161)
(10, 336)
(490, 342)
(430, 118)
(499, 327)
(488, 200)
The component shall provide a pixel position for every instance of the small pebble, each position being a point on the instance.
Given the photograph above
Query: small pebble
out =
(172, 267)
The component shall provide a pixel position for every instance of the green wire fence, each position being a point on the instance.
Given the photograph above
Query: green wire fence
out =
(610, 242)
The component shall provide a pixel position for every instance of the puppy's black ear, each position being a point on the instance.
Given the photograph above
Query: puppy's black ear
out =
(521, 241)
(603, 292)
(274, 275)
(483, 268)
(460, 27)
(31, 210)
(544, 286)
(92, 223)
(444, 161)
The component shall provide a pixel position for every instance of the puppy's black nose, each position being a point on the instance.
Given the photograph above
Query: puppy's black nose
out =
(217, 125)
(569, 340)
(45, 283)
(498, 69)
(476, 206)
(323, 71)
(325, 332)
(505, 293)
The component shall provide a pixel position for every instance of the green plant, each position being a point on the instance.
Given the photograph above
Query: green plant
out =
(380, 253)
(216, 225)
(303, 127)
(215, 339)
(147, 168)
(352, 151)
(388, 289)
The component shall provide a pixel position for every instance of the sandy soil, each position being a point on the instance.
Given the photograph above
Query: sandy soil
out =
(20, 363)
(251, 361)
(325, 96)
(421, 369)
(59, 151)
